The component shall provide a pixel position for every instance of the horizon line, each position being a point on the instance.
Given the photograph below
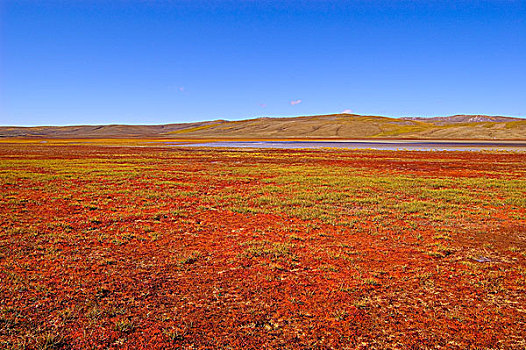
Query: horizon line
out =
(260, 117)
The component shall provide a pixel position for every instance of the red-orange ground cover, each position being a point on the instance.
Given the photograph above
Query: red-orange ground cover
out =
(137, 247)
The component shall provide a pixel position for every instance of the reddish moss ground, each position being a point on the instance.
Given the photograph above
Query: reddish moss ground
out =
(130, 247)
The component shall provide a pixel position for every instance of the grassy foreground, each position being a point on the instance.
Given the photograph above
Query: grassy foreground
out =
(125, 247)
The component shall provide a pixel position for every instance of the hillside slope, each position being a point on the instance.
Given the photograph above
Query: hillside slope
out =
(336, 126)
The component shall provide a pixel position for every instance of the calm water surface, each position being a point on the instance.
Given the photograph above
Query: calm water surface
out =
(379, 145)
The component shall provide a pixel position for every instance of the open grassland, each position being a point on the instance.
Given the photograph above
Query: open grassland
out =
(127, 247)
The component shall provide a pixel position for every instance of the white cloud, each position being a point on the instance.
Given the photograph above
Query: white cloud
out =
(347, 111)
(295, 102)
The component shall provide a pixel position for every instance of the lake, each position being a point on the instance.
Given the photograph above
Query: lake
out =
(362, 144)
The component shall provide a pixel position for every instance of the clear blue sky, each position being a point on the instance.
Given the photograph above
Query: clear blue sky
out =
(98, 62)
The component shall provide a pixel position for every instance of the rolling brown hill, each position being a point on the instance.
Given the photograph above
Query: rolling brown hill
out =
(335, 126)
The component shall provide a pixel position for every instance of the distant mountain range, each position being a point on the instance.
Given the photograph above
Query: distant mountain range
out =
(462, 118)
(334, 126)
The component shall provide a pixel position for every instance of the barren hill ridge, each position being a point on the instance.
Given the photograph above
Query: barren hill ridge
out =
(334, 126)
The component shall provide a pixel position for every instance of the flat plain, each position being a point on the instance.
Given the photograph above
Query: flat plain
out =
(166, 247)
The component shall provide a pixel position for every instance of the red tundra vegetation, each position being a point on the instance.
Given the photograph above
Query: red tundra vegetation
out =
(164, 247)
